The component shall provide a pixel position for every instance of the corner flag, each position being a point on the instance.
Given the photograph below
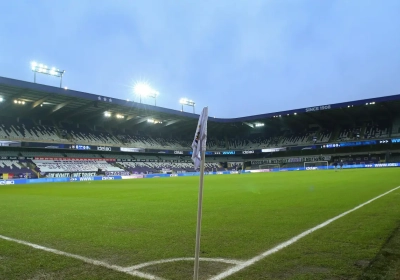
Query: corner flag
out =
(198, 157)
(200, 138)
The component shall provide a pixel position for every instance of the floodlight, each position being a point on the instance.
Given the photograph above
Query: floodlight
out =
(43, 69)
(33, 64)
(187, 102)
(145, 90)
(19, 102)
(153, 121)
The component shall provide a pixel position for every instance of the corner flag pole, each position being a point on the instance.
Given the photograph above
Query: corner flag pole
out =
(198, 156)
(199, 214)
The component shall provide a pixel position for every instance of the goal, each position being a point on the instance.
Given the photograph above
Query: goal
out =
(316, 165)
(270, 166)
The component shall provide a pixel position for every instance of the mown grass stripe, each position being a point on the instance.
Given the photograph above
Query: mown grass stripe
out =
(289, 242)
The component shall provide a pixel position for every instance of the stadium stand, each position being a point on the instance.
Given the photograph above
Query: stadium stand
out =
(394, 158)
(27, 130)
(51, 166)
(84, 135)
(82, 155)
(376, 130)
(159, 167)
(396, 127)
(14, 167)
(116, 156)
(40, 154)
(73, 127)
(9, 153)
(155, 143)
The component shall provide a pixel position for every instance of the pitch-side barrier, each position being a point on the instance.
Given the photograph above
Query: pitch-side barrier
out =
(147, 176)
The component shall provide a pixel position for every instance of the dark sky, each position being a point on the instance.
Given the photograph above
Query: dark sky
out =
(238, 57)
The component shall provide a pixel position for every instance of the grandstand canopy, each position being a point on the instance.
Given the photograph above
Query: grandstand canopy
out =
(65, 105)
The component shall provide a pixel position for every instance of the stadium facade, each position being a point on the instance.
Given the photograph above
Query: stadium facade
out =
(49, 131)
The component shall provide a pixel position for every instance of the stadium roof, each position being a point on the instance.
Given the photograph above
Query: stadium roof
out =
(48, 102)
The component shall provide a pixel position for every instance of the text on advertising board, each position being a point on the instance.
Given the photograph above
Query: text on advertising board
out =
(133, 150)
(318, 108)
(102, 148)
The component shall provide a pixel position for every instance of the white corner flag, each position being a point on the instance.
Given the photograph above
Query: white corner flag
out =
(200, 138)
(198, 157)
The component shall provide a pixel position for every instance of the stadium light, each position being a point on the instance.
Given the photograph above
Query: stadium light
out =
(43, 69)
(145, 90)
(153, 121)
(19, 102)
(187, 102)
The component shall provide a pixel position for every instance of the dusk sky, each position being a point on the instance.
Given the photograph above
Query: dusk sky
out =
(238, 57)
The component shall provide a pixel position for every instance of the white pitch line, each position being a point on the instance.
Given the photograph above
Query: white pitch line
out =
(84, 259)
(142, 265)
(283, 245)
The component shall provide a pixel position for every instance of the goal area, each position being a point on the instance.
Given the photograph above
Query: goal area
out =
(316, 165)
(269, 166)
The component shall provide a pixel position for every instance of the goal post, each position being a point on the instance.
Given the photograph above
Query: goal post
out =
(269, 166)
(316, 165)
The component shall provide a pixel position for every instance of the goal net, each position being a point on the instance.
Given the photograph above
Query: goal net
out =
(269, 166)
(316, 165)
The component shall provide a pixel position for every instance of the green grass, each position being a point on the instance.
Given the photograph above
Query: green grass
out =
(135, 221)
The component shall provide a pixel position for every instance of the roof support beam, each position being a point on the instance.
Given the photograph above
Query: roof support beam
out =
(96, 113)
(138, 121)
(128, 118)
(40, 101)
(171, 122)
(58, 107)
(79, 110)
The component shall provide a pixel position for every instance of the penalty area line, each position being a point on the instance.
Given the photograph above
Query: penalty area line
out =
(289, 242)
(84, 259)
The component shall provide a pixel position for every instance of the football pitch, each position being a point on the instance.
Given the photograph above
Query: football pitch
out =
(145, 229)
